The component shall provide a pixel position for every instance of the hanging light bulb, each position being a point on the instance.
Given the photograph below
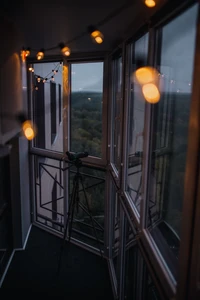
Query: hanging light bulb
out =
(38, 79)
(145, 75)
(28, 130)
(64, 49)
(96, 35)
(150, 3)
(151, 93)
(40, 54)
(28, 52)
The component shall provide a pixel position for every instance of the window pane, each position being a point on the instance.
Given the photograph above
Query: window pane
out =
(131, 265)
(139, 51)
(171, 134)
(86, 108)
(47, 105)
(87, 193)
(49, 200)
(138, 283)
(116, 110)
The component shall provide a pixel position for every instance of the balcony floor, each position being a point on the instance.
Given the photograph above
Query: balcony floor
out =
(83, 275)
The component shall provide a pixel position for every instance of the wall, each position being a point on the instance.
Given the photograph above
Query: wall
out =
(13, 98)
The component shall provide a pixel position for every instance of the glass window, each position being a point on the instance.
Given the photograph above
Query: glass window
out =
(87, 193)
(170, 133)
(131, 265)
(86, 108)
(136, 111)
(46, 104)
(49, 201)
(116, 110)
(138, 283)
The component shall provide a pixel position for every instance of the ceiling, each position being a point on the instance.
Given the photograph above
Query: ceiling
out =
(45, 24)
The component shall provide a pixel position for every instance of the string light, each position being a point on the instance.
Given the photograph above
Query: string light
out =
(145, 75)
(40, 54)
(64, 49)
(173, 82)
(28, 130)
(150, 3)
(151, 93)
(47, 77)
(95, 34)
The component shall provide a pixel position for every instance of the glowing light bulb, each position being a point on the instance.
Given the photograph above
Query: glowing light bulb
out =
(145, 75)
(66, 51)
(28, 130)
(97, 36)
(30, 69)
(150, 3)
(40, 55)
(151, 93)
(28, 52)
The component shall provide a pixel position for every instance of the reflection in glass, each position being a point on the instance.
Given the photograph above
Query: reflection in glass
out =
(139, 52)
(49, 192)
(86, 108)
(116, 241)
(47, 105)
(88, 218)
(116, 109)
(170, 133)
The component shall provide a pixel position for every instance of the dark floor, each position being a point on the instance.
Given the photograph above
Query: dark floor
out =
(83, 275)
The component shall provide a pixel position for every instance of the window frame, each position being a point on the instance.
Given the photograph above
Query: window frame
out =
(169, 284)
(130, 47)
(90, 160)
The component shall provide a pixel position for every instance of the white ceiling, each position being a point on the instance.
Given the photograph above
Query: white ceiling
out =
(45, 24)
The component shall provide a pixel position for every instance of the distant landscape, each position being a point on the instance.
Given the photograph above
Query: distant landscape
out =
(86, 122)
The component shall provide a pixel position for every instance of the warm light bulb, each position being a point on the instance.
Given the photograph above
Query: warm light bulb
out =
(98, 39)
(145, 75)
(30, 69)
(28, 130)
(97, 36)
(151, 93)
(150, 3)
(66, 51)
(40, 55)
(28, 52)
(23, 55)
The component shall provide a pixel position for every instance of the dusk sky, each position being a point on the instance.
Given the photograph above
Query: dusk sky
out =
(87, 77)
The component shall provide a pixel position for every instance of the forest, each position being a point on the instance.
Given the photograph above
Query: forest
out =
(86, 135)
(86, 122)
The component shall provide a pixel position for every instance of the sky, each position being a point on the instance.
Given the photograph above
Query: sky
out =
(87, 77)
